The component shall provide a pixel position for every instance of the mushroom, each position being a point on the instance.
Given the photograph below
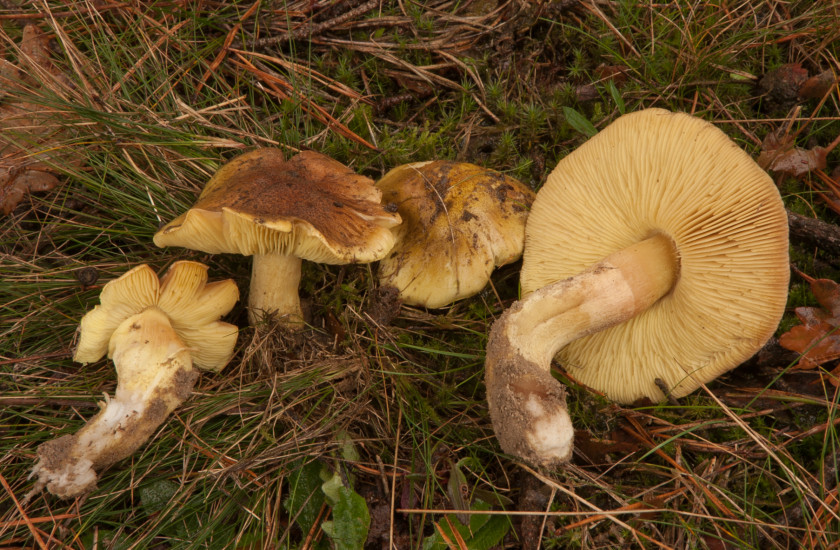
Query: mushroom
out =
(155, 332)
(281, 211)
(460, 221)
(656, 255)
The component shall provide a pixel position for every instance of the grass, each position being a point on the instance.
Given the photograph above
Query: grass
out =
(150, 103)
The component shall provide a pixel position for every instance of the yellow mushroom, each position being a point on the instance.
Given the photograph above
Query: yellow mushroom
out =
(156, 332)
(655, 254)
(280, 211)
(460, 221)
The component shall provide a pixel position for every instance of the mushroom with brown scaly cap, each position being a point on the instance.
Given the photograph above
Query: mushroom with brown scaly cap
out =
(154, 331)
(460, 221)
(280, 211)
(656, 255)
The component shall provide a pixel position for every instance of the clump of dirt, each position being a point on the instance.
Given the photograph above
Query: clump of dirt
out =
(384, 305)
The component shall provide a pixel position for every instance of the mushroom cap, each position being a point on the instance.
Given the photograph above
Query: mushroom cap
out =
(651, 172)
(309, 206)
(460, 221)
(192, 305)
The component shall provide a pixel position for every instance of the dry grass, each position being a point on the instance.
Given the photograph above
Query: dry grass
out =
(154, 96)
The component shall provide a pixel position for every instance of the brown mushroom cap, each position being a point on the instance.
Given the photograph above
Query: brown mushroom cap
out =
(309, 206)
(656, 172)
(460, 221)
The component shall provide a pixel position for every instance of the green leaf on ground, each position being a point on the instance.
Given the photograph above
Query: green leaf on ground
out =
(483, 532)
(350, 522)
(579, 122)
(305, 497)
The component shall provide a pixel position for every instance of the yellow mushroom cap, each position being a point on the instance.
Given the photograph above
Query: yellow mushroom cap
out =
(309, 206)
(192, 306)
(460, 221)
(653, 172)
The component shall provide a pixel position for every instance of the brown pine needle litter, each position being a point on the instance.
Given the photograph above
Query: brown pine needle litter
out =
(369, 427)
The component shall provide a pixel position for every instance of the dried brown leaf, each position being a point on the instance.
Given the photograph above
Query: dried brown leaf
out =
(29, 135)
(778, 154)
(817, 339)
(596, 451)
(818, 86)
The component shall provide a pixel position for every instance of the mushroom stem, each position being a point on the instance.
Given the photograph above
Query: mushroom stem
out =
(155, 375)
(274, 288)
(527, 405)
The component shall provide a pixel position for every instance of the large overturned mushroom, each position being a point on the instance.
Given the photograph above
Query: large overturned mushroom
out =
(656, 256)
(280, 211)
(460, 221)
(156, 332)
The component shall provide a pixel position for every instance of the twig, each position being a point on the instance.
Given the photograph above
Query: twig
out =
(641, 507)
(225, 46)
(815, 232)
(43, 519)
(51, 355)
(137, 64)
(312, 30)
(37, 401)
(282, 89)
(609, 516)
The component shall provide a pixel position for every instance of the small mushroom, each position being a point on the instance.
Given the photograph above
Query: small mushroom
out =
(281, 211)
(154, 331)
(460, 221)
(656, 253)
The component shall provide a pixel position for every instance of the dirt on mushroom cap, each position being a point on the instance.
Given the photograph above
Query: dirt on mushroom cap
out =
(309, 205)
(460, 221)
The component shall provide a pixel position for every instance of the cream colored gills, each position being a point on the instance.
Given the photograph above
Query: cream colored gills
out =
(660, 172)
(655, 254)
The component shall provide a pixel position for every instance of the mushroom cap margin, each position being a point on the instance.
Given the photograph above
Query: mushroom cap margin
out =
(192, 305)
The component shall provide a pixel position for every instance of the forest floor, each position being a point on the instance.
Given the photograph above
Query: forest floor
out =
(374, 417)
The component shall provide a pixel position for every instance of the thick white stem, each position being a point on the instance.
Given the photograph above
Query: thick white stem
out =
(274, 288)
(612, 291)
(155, 375)
(527, 405)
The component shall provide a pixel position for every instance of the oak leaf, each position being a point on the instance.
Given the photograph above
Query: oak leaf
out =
(817, 339)
(779, 155)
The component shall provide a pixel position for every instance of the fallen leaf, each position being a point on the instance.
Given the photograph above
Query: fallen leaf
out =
(596, 450)
(616, 72)
(591, 91)
(779, 154)
(818, 86)
(817, 339)
(29, 136)
(784, 87)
